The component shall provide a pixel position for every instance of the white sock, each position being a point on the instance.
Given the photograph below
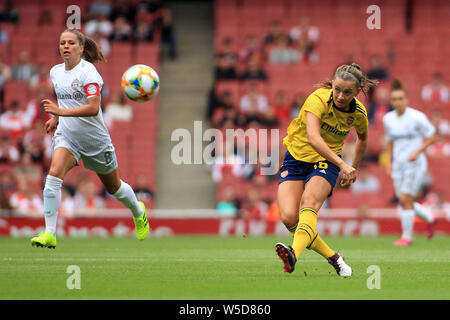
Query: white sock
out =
(421, 212)
(52, 201)
(126, 195)
(407, 223)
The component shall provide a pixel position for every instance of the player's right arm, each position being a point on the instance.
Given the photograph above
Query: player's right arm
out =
(317, 142)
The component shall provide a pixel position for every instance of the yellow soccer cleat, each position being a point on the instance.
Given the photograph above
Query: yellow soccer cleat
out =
(141, 224)
(44, 240)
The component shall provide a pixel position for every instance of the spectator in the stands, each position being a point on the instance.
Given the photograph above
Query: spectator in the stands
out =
(167, 32)
(254, 208)
(26, 168)
(442, 125)
(275, 33)
(254, 99)
(142, 190)
(124, 9)
(25, 200)
(226, 61)
(119, 110)
(45, 17)
(67, 208)
(4, 38)
(254, 71)
(102, 7)
(15, 120)
(87, 196)
(41, 81)
(151, 6)
(122, 30)
(379, 106)
(436, 90)
(5, 74)
(297, 104)
(7, 188)
(144, 26)
(24, 69)
(229, 205)
(252, 50)
(99, 24)
(281, 52)
(366, 182)
(281, 106)
(225, 69)
(38, 144)
(9, 13)
(226, 162)
(305, 38)
(377, 70)
(9, 153)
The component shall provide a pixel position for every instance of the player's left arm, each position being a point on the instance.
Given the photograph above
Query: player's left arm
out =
(360, 148)
(426, 143)
(87, 110)
(430, 137)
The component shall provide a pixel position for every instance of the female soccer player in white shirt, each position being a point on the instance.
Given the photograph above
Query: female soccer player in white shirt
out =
(408, 134)
(81, 133)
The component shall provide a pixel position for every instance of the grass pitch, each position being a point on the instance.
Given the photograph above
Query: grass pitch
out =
(220, 268)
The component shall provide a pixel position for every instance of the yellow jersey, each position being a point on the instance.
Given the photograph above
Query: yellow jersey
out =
(335, 125)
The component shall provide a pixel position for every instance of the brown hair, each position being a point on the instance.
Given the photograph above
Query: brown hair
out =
(92, 51)
(397, 85)
(351, 72)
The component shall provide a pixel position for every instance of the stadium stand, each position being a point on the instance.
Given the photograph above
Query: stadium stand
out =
(411, 55)
(135, 141)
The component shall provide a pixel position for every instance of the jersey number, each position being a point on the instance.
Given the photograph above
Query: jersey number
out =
(322, 165)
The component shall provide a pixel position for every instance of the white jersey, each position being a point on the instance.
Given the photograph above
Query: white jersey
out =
(88, 135)
(407, 132)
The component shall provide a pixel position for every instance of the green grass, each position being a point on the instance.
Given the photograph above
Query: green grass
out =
(220, 268)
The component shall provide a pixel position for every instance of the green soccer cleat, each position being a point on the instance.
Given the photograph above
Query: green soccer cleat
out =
(141, 223)
(44, 240)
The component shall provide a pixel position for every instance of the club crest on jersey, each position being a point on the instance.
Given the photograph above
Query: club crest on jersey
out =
(76, 84)
(350, 120)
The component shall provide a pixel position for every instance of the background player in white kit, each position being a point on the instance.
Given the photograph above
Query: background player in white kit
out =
(408, 134)
(81, 133)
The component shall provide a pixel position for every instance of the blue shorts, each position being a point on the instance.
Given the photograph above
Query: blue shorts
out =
(293, 169)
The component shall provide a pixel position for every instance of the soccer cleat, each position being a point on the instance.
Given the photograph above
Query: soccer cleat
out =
(338, 263)
(287, 255)
(141, 224)
(44, 240)
(402, 242)
(431, 228)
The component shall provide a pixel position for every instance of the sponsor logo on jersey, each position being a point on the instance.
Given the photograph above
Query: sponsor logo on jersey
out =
(77, 95)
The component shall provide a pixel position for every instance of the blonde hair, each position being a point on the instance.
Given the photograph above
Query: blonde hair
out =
(351, 72)
(92, 51)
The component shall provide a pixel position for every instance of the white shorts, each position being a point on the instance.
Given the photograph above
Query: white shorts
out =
(409, 181)
(103, 163)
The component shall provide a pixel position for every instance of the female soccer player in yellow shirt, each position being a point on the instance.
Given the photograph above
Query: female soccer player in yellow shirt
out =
(312, 162)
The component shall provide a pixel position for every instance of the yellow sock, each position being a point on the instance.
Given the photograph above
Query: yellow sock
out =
(292, 229)
(306, 230)
(319, 246)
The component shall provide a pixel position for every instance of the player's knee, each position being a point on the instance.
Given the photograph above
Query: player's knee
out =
(310, 201)
(406, 201)
(289, 217)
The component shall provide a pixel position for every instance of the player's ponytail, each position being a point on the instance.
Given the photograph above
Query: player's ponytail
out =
(351, 72)
(92, 51)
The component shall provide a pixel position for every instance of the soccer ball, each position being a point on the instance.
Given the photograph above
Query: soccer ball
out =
(140, 83)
